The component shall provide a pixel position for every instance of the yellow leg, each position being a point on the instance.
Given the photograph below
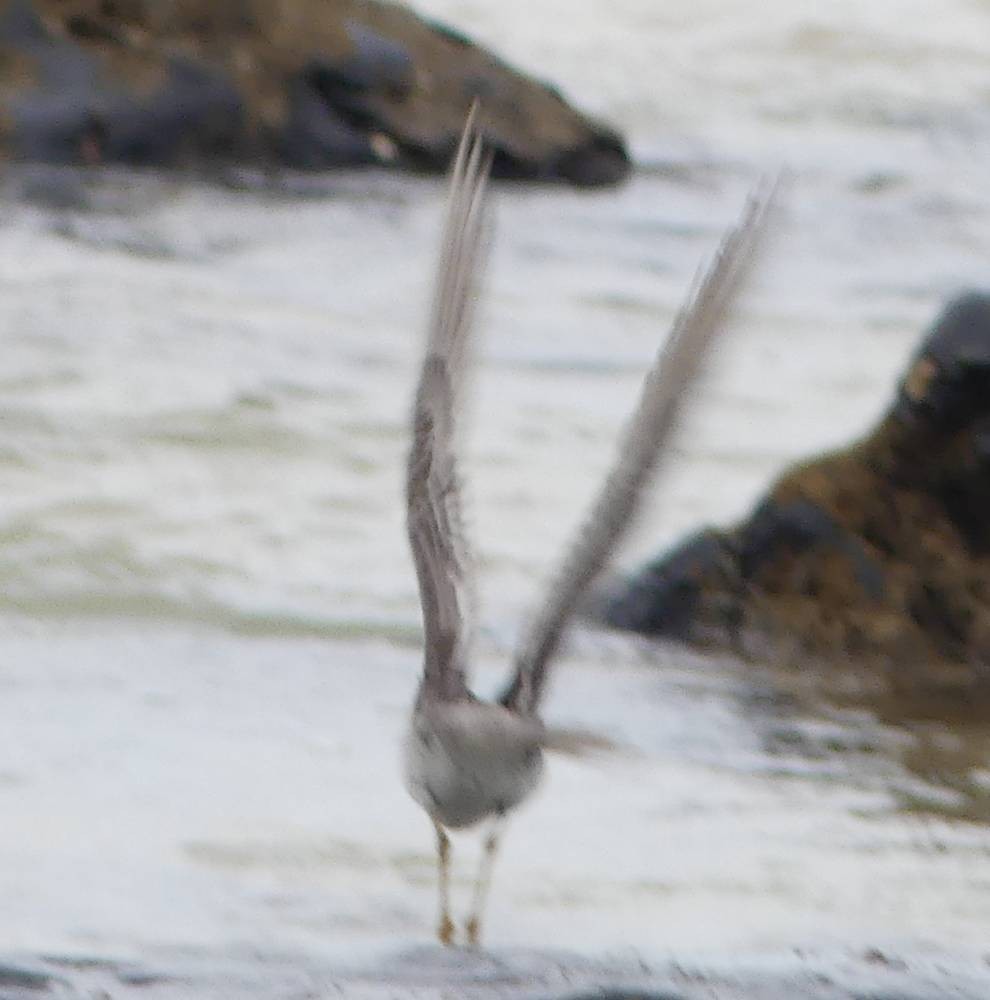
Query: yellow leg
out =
(483, 882)
(445, 926)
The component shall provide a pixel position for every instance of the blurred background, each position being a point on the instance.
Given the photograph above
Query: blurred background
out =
(210, 627)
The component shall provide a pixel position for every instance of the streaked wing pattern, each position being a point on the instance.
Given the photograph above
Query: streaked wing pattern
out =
(433, 514)
(640, 449)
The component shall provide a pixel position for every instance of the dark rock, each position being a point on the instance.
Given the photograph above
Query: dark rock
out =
(197, 113)
(876, 554)
(663, 598)
(71, 115)
(337, 83)
(53, 187)
(57, 130)
(315, 136)
(947, 385)
(797, 526)
(601, 161)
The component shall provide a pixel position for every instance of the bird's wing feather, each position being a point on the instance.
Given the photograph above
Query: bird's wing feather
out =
(648, 433)
(433, 507)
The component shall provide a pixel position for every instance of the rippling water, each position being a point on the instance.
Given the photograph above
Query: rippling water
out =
(210, 618)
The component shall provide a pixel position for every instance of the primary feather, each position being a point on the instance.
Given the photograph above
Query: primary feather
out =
(649, 430)
(433, 505)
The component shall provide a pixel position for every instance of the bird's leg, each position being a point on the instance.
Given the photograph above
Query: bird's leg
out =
(445, 926)
(484, 879)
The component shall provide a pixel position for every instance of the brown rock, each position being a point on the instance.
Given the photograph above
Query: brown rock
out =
(877, 555)
(308, 83)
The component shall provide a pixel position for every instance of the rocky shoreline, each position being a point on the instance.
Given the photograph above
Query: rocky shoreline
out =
(308, 85)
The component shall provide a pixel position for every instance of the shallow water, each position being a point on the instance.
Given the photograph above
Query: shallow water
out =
(210, 623)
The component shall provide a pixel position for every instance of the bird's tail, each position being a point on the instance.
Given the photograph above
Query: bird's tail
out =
(571, 741)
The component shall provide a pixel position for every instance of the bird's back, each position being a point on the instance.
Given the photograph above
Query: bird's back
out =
(466, 760)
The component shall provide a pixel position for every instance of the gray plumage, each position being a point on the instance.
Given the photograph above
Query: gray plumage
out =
(467, 760)
(648, 432)
(433, 517)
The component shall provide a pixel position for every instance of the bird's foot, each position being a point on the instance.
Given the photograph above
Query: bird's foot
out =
(473, 930)
(445, 931)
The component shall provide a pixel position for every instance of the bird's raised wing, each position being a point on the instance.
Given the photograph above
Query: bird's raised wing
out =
(649, 431)
(433, 513)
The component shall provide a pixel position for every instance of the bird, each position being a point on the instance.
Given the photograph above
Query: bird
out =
(468, 761)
